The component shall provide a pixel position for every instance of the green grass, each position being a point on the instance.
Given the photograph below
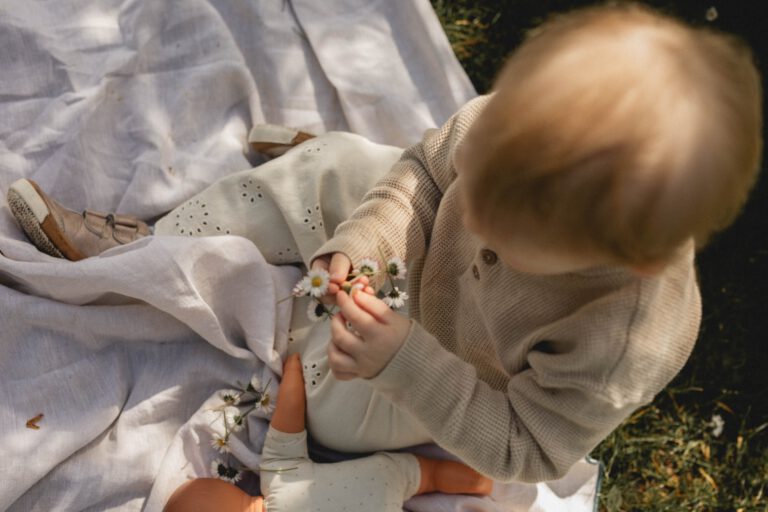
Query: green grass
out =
(665, 457)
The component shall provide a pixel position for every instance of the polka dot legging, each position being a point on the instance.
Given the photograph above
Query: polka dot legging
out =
(290, 481)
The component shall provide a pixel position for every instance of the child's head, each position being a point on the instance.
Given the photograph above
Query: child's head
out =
(615, 134)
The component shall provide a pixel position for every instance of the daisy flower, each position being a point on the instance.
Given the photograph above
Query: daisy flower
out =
(395, 298)
(224, 472)
(316, 311)
(396, 268)
(266, 404)
(368, 267)
(318, 282)
(230, 397)
(234, 419)
(254, 386)
(220, 443)
(301, 288)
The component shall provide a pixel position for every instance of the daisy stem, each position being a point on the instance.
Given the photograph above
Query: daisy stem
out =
(249, 411)
(386, 268)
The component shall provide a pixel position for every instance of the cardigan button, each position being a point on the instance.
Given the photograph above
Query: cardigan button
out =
(489, 257)
(475, 272)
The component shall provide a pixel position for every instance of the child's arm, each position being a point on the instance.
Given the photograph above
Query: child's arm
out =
(599, 365)
(396, 217)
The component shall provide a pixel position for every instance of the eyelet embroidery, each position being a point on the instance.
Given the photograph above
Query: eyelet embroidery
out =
(314, 219)
(250, 193)
(192, 219)
(312, 374)
(287, 255)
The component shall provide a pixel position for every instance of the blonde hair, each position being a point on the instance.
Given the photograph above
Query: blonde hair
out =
(620, 130)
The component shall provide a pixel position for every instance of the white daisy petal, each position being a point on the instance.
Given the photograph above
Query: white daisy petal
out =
(316, 311)
(220, 443)
(224, 472)
(230, 396)
(235, 420)
(301, 288)
(367, 266)
(395, 299)
(233, 475)
(267, 404)
(254, 384)
(396, 268)
(318, 282)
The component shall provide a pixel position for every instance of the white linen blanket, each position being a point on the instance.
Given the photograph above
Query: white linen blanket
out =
(135, 106)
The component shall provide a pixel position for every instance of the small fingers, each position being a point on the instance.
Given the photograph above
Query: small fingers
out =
(339, 267)
(320, 263)
(343, 336)
(362, 282)
(373, 306)
(323, 263)
(361, 319)
(343, 366)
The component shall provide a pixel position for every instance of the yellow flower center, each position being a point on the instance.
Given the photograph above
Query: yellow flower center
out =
(317, 281)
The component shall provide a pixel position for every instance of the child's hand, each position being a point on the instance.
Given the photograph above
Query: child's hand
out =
(339, 267)
(375, 333)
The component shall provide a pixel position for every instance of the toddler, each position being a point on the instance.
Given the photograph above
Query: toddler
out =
(550, 230)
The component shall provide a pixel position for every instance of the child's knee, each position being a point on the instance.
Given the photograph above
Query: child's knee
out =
(211, 495)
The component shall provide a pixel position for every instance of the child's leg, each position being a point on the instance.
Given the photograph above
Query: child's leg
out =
(451, 477)
(348, 416)
(288, 206)
(212, 495)
(291, 403)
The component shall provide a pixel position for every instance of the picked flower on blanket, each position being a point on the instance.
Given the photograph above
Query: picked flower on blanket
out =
(231, 414)
(315, 284)
(262, 399)
(234, 420)
(220, 443)
(225, 472)
(230, 397)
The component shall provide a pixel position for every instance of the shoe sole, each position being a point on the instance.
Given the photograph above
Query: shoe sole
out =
(274, 140)
(30, 211)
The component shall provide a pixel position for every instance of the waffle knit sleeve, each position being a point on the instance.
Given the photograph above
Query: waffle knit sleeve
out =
(396, 216)
(589, 373)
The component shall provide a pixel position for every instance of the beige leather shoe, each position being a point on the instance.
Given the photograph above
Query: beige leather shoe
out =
(63, 233)
(273, 140)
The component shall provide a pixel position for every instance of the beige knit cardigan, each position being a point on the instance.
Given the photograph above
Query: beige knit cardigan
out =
(519, 375)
